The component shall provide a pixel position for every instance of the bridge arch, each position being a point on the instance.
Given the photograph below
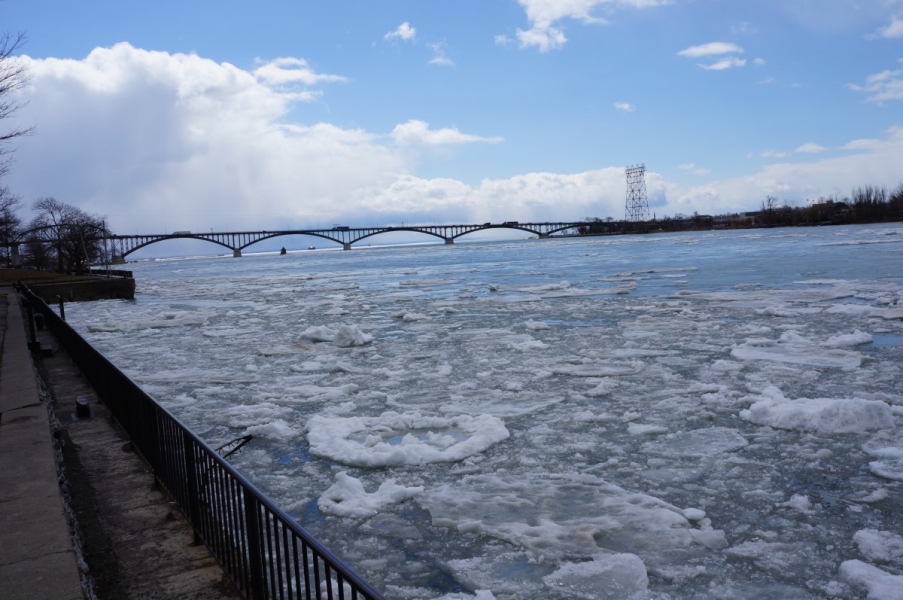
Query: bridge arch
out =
(172, 237)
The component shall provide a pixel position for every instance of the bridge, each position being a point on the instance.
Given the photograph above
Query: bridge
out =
(123, 245)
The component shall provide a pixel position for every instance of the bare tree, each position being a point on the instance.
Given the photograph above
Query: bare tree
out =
(13, 77)
(72, 235)
(10, 223)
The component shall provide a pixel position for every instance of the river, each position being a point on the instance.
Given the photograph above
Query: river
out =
(690, 415)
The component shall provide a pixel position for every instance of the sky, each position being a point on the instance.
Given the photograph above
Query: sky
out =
(277, 114)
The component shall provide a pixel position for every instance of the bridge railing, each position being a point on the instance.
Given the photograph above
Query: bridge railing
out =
(261, 548)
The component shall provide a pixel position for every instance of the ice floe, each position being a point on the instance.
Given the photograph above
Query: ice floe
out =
(394, 439)
(824, 415)
(348, 498)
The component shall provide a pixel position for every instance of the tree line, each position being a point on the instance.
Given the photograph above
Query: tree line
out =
(866, 204)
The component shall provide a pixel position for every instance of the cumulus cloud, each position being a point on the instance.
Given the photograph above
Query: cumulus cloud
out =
(810, 148)
(543, 15)
(713, 49)
(710, 49)
(693, 169)
(439, 57)
(876, 163)
(625, 106)
(416, 132)
(893, 30)
(404, 32)
(724, 63)
(288, 70)
(881, 87)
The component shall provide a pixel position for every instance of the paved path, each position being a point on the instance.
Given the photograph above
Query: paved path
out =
(37, 559)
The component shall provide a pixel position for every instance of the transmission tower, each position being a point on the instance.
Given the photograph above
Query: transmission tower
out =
(637, 207)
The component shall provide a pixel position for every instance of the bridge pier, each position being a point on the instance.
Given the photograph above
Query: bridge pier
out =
(117, 260)
(236, 253)
(449, 240)
(543, 236)
(346, 246)
(14, 256)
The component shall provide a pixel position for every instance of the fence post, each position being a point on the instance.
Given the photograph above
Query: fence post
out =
(255, 545)
(194, 512)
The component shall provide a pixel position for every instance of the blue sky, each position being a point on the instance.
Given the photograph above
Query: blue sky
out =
(195, 115)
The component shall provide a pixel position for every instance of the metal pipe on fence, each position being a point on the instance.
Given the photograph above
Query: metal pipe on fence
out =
(244, 531)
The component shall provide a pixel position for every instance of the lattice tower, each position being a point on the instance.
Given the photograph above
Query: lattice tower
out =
(637, 207)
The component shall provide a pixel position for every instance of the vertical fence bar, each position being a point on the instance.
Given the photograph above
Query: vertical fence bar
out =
(193, 510)
(252, 523)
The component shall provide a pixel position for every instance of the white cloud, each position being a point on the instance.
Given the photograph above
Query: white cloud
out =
(768, 80)
(416, 132)
(692, 168)
(543, 16)
(773, 154)
(404, 32)
(439, 57)
(810, 148)
(797, 182)
(893, 30)
(710, 49)
(287, 70)
(863, 144)
(760, 62)
(881, 87)
(625, 106)
(502, 40)
(545, 39)
(724, 63)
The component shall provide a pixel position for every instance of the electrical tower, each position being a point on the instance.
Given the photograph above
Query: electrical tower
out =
(637, 207)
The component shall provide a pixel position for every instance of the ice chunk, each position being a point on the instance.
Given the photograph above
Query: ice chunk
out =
(599, 369)
(610, 576)
(412, 317)
(402, 439)
(880, 546)
(318, 333)
(347, 497)
(887, 447)
(793, 348)
(535, 325)
(857, 338)
(275, 430)
(824, 415)
(569, 516)
(697, 443)
(879, 584)
(349, 335)
(640, 429)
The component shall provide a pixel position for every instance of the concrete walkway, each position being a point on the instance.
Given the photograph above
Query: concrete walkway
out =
(37, 559)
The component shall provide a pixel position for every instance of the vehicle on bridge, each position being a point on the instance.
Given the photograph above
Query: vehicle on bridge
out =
(341, 228)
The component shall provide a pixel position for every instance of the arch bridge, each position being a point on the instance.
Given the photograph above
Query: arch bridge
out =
(346, 236)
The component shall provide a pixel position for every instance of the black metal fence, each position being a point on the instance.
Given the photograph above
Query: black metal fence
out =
(111, 273)
(262, 549)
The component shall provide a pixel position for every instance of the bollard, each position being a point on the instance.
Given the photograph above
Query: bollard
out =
(39, 321)
(82, 408)
(62, 308)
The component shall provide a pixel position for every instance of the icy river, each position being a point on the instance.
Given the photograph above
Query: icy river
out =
(699, 415)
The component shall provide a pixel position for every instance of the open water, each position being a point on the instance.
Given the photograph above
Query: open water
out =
(694, 415)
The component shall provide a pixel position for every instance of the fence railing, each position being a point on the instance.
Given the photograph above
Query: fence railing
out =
(261, 548)
(111, 273)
